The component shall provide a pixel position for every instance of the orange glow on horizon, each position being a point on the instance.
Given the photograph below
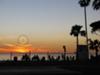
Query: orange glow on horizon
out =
(21, 50)
(48, 48)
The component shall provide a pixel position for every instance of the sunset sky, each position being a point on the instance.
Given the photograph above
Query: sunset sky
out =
(46, 23)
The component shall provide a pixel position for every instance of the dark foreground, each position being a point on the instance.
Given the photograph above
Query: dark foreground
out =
(42, 70)
(45, 68)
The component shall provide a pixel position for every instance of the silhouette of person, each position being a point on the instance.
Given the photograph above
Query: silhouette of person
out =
(25, 57)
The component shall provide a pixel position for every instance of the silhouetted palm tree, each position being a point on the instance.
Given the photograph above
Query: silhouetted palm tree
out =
(96, 4)
(64, 55)
(76, 30)
(95, 26)
(85, 3)
(94, 45)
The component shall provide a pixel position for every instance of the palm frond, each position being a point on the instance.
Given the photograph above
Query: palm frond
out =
(96, 4)
(95, 26)
(83, 33)
(84, 3)
(75, 30)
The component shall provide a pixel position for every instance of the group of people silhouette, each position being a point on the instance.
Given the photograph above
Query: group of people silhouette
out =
(35, 58)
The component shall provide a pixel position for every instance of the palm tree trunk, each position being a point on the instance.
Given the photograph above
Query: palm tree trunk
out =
(77, 47)
(85, 15)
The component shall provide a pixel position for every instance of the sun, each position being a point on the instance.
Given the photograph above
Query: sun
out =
(22, 50)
